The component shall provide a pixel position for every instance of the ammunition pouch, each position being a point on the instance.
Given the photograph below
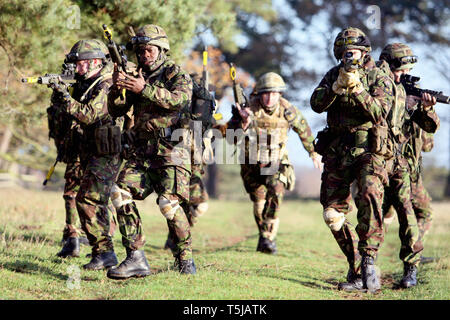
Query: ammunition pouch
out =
(379, 141)
(323, 140)
(108, 140)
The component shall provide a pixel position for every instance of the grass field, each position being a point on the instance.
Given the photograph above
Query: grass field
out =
(309, 264)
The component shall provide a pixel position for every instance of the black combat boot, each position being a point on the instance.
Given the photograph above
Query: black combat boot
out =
(409, 275)
(83, 240)
(71, 248)
(268, 246)
(354, 282)
(259, 246)
(101, 261)
(134, 265)
(370, 278)
(185, 266)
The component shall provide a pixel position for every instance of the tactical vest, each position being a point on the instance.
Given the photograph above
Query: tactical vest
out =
(271, 133)
(156, 125)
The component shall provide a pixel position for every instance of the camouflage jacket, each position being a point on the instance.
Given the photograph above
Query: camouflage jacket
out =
(89, 105)
(284, 117)
(418, 129)
(348, 114)
(64, 130)
(161, 108)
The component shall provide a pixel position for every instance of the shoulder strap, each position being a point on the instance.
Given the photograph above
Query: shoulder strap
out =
(101, 78)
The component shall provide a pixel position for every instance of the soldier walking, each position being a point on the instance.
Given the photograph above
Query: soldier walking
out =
(100, 155)
(160, 95)
(356, 96)
(269, 117)
(398, 193)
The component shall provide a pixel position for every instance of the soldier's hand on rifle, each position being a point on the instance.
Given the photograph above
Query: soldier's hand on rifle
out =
(428, 101)
(132, 84)
(245, 114)
(59, 89)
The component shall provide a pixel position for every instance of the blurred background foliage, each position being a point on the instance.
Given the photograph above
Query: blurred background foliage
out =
(258, 36)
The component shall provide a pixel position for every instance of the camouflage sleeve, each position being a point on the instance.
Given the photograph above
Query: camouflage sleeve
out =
(93, 110)
(299, 124)
(323, 96)
(427, 142)
(173, 98)
(376, 102)
(118, 106)
(427, 120)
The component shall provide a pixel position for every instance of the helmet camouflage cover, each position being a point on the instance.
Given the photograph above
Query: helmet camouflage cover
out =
(151, 34)
(399, 56)
(87, 50)
(270, 82)
(350, 38)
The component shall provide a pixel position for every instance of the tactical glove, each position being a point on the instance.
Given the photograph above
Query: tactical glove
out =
(346, 80)
(60, 90)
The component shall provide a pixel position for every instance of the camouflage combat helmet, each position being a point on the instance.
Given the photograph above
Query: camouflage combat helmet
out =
(151, 34)
(270, 82)
(350, 38)
(399, 56)
(87, 50)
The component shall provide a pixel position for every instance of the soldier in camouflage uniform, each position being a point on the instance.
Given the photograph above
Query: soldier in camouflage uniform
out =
(400, 60)
(100, 155)
(356, 101)
(160, 96)
(66, 135)
(269, 117)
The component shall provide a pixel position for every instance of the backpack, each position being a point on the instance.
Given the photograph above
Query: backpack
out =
(202, 106)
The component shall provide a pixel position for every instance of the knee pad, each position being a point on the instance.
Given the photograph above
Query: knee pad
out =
(168, 207)
(334, 219)
(200, 209)
(120, 197)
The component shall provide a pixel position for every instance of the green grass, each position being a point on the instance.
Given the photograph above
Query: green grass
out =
(309, 264)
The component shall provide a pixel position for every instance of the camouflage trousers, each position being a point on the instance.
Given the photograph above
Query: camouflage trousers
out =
(421, 203)
(136, 181)
(198, 196)
(93, 201)
(72, 177)
(367, 170)
(266, 192)
(398, 195)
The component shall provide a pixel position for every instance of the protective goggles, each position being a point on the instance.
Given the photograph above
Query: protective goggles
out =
(143, 39)
(76, 56)
(357, 41)
(398, 62)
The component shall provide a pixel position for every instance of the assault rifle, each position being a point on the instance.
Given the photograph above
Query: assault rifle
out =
(116, 53)
(238, 92)
(207, 86)
(410, 84)
(51, 170)
(67, 75)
